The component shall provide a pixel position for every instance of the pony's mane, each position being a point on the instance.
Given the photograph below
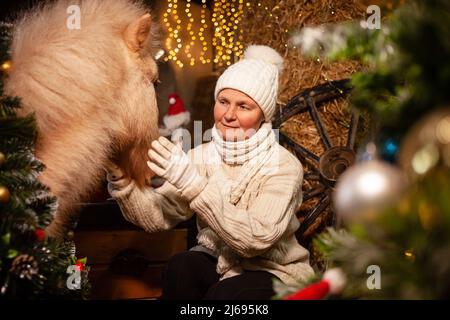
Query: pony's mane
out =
(63, 68)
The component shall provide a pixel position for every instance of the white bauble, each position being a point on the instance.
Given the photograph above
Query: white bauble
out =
(366, 189)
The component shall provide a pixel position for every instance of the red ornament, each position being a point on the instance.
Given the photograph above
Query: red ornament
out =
(315, 291)
(333, 282)
(39, 234)
(79, 265)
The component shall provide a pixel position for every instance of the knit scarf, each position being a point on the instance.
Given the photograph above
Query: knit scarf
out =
(252, 153)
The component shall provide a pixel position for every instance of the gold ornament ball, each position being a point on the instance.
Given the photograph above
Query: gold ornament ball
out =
(427, 144)
(4, 195)
(2, 159)
(367, 188)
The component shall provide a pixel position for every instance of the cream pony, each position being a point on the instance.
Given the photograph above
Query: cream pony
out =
(91, 90)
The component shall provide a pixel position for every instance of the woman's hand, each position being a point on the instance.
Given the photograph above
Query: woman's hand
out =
(171, 163)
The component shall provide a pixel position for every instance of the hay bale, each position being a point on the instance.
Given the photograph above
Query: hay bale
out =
(267, 24)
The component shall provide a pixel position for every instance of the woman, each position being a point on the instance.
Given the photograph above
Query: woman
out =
(243, 186)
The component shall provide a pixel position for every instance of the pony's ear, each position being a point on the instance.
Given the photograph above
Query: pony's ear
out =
(137, 32)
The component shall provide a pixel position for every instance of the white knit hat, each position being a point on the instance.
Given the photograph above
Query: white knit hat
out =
(257, 76)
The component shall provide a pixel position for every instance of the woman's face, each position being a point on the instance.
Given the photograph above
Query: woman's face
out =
(236, 115)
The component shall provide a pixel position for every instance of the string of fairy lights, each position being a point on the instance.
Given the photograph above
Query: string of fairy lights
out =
(181, 25)
(227, 40)
(227, 45)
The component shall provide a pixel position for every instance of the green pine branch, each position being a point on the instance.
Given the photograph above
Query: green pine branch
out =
(410, 242)
(407, 62)
(31, 207)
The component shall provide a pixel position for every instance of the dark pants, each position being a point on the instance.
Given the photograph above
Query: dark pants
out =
(192, 275)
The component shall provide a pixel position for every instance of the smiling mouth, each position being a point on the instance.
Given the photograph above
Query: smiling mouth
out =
(229, 126)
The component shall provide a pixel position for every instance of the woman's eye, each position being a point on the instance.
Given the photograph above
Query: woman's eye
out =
(244, 107)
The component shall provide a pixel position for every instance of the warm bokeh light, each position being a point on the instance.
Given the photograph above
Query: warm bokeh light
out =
(177, 25)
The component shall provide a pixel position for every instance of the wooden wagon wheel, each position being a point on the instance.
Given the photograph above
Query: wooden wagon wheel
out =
(326, 168)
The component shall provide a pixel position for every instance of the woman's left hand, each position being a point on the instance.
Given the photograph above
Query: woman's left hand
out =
(171, 163)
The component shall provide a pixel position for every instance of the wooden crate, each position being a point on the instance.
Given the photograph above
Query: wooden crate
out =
(126, 262)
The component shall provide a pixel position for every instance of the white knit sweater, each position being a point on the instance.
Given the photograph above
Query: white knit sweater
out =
(255, 234)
